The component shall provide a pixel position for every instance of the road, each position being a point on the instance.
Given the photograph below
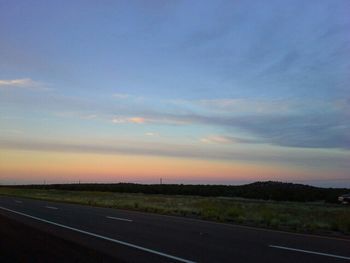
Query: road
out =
(79, 233)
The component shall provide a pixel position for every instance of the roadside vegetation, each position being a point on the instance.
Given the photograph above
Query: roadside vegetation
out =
(267, 190)
(306, 217)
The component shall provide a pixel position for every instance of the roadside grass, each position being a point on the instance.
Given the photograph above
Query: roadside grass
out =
(316, 218)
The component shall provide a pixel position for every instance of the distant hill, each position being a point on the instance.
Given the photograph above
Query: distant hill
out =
(267, 190)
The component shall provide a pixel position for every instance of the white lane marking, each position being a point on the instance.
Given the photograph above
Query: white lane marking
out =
(244, 227)
(18, 202)
(310, 252)
(118, 218)
(51, 207)
(102, 237)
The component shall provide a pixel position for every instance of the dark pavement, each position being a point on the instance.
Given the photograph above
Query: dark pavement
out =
(21, 243)
(78, 233)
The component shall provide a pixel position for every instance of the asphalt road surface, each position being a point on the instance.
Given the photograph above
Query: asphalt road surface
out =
(41, 231)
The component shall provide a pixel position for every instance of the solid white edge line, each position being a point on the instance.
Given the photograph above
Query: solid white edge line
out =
(101, 237)
(238, 226)
(51, 207)
(118, 218)
(310, 252)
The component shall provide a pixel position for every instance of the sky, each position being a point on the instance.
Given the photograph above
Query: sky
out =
(207, 92)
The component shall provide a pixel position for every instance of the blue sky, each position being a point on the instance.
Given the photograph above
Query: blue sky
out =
(217, 80)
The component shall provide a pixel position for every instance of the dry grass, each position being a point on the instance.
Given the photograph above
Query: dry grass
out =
(300, 217)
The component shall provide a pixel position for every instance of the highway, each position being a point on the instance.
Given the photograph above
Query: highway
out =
(77, 233)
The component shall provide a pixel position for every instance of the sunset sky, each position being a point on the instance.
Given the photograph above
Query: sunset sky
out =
(224, 92)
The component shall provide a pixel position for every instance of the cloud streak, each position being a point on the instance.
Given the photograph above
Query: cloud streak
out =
(136, 120)
(295, 123)
(25, 83)
(153, 118)
(221, 139)
(326, 125)
(121, 96)
(294, 157)
(292, 123)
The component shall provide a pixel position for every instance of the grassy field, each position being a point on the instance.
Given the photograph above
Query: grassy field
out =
(317, 218)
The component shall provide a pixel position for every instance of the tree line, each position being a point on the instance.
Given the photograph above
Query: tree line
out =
(268, 190)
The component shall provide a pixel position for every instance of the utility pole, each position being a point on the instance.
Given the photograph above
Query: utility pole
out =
(161, 180)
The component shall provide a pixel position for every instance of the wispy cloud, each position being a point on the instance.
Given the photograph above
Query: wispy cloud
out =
(154, 118)
(90, 117)
(136, 120)
(301, 123)
(293, 156)
(304, 124)
(226, 139)
(293, 123)
(152, 134)
(25, 83)
(121, 95)
(250, 105)
(308, 130)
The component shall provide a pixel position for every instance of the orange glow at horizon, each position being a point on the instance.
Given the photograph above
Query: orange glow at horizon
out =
(63, 167)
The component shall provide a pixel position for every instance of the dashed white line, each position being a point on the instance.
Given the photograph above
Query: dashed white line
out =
(51, 207)
(18, 201)
(102, 237)
(118, 218)
(310, 252)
